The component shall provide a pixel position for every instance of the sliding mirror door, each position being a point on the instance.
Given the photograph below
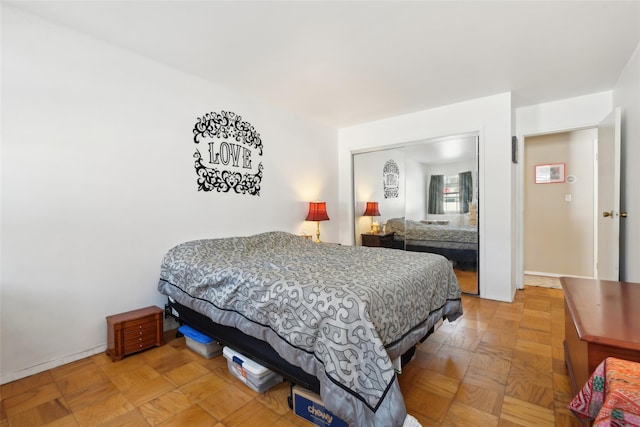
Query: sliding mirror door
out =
(422, 196)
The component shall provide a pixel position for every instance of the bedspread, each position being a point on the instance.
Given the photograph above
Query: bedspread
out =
(611, 397)
(341, 313)
(415, 230)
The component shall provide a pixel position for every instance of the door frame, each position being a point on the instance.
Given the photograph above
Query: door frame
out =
(519, 183)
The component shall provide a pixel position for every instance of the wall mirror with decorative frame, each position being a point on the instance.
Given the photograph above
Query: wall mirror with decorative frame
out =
(426, 195)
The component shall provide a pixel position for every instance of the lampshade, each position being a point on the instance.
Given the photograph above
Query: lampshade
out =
(317, 211)
(371, 209)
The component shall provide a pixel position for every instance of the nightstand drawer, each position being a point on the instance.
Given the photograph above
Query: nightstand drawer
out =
(383, 240)
(138, 327)
(135, 335)
(133, 339)
(143, 343)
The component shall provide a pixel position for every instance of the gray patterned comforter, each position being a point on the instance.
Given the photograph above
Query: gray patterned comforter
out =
(415, 230)
(341, 313)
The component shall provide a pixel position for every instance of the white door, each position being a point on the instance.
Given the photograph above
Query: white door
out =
(608, 182)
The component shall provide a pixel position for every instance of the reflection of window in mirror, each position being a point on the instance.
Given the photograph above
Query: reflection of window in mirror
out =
(450, 194)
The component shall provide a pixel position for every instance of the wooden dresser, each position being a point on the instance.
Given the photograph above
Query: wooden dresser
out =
(134, 331)
(601, 319)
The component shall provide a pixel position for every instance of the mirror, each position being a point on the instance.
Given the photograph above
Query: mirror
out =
(422, 196)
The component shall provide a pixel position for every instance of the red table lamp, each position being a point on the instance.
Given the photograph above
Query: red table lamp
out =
(372, 210)
(317, 212)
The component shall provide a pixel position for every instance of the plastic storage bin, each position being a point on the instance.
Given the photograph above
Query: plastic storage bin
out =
(249, 372)
(200, 343)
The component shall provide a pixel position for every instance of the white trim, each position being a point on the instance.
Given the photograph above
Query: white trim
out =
(539, 273)
(595, 207)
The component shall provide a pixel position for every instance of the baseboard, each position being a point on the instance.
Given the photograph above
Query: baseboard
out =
(538, 273)
(45, 366)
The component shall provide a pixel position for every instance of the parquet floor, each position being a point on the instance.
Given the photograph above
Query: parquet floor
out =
(468, 280)
(500, 364)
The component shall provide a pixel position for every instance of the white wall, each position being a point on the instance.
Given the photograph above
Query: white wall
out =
(626, 94)
(416, 199)
(491, 117)
(565, 114)
(558, 116)
(98, 182)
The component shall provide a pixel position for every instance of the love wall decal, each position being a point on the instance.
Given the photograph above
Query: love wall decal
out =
(233, 149)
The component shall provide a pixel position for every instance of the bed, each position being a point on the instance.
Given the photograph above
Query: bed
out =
(455, 242)
(328, 317)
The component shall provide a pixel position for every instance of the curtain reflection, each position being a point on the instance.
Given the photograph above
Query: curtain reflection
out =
(466, 190)
(436, 194)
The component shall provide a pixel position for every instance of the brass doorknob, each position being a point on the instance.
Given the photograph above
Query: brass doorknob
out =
(623, 214)
(606, 214)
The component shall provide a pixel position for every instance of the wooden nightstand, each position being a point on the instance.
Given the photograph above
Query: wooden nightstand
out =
(134, 331)
(382, 240)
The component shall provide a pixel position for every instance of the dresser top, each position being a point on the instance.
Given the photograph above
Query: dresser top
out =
(603, 311)
(135, 314)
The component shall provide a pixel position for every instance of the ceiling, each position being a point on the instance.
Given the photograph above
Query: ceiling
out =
(447, 149)
(344, 63)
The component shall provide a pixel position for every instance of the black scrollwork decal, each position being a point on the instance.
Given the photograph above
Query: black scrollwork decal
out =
(218, 129)
(210, 179)
(391, 179)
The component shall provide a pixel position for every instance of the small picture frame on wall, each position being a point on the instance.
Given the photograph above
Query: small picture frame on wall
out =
(552, 173)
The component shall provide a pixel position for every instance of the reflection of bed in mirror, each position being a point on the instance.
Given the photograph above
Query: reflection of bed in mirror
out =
(457, 243)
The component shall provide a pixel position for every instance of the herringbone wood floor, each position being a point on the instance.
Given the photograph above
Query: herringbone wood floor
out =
(500, 364)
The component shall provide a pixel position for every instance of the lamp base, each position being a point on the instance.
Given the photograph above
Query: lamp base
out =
(374, 227)
(318, 232)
